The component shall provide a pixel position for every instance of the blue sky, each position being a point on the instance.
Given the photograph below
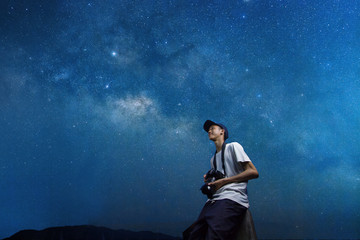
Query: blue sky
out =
(102, 105)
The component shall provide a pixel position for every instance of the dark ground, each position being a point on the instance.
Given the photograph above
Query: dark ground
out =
(87, 233)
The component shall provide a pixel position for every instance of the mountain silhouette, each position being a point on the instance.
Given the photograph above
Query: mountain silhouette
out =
(87, 232)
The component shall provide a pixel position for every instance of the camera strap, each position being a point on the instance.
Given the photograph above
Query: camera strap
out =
(222, 158)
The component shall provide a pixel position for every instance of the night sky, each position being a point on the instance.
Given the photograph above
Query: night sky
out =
(102, 105)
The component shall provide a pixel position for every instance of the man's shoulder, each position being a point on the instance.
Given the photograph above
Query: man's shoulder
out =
(234, 144)
(236, 150)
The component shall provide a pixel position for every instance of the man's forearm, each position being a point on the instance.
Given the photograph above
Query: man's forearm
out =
(250, 172)
(242, 177)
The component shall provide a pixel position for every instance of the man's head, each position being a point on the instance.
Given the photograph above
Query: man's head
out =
(215, 129)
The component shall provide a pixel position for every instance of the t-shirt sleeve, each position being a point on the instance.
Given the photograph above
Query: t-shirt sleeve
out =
(238, 153)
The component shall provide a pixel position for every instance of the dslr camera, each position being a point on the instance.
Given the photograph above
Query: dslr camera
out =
(211, 176)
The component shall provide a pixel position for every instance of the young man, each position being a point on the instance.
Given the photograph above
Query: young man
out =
(222, 214)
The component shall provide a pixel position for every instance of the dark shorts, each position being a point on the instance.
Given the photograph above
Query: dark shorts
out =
(218, 220)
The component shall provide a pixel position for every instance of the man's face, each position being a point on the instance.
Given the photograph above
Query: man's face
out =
(215, 132)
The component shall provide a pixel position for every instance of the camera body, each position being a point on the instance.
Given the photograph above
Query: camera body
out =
(211, 176)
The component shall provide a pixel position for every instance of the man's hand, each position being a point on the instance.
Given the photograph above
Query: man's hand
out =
(218, 183)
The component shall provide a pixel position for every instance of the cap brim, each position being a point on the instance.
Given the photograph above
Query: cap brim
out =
(208, 124)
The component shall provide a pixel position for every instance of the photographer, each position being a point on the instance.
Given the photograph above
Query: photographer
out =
(226, 187)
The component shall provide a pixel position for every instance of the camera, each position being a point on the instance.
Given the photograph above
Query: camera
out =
(211, 176)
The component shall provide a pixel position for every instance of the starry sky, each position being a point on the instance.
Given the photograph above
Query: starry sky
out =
(102, 105)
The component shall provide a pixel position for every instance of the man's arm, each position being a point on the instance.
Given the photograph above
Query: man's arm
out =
(249, 172)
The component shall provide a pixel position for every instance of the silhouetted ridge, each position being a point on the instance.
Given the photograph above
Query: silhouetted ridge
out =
(87, 233)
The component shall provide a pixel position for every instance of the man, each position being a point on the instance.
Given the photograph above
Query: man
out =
(222, 214)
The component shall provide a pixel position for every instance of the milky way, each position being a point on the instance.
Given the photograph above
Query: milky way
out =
(102, 105)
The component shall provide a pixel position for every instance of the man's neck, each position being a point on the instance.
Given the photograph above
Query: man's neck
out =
(218, 144)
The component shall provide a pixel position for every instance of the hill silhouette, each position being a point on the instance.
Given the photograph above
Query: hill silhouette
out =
(87, 232)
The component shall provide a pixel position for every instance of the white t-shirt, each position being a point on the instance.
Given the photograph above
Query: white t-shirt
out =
(234, 155)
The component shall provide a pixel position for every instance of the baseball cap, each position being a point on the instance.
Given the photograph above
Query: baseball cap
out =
(209, 123)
